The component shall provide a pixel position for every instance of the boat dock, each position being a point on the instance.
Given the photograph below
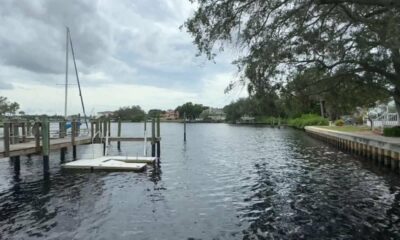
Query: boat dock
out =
(26, 138)
(382, 150)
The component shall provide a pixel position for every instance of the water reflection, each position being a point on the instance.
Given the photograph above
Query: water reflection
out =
(226, 182)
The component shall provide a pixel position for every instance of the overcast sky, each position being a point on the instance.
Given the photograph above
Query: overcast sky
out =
(129, 52)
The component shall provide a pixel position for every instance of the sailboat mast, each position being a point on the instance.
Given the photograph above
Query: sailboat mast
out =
(66, 74)
(77, 79)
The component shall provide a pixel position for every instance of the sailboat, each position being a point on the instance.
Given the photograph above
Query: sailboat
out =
(67, 45)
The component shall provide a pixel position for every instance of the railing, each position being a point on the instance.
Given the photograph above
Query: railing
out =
(386, 119)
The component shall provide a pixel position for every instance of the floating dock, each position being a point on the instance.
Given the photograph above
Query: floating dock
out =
(112, 163)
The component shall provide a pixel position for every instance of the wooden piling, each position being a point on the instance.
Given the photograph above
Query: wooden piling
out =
(153, 138)
(23, 125)
(184, 127)
(15, 130)
(63, 151)
(394, 164)
(6, 133)
(105, 128)
(91, 130)
(109, 127)
(37, 131)
(29, 128)
(73, 135)
(158, 137)
(45, 143)
(119, 133)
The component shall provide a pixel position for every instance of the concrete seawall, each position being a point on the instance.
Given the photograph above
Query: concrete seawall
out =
(383, 150)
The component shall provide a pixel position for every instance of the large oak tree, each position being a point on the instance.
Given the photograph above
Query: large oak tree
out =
(279, 39)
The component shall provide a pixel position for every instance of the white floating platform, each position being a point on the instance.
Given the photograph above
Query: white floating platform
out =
(111, 163)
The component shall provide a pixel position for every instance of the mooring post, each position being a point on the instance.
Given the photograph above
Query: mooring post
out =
(45, 143)
(104, 128)
(73, 131)
(28, 128)
(60, 129)
(6, 134)
(36, 128)
(109, 127)
(97, 134)
(119, 133)
(15, 132)
(62, 154)
(153, 137)
(184, 127)
(91, 130)
(158, 138)
(23, 125)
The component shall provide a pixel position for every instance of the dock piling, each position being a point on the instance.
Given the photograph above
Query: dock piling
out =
(45, 143)
(119, 133)
(184, 127)
(158, 138)
(6, 134)
(153, 137)
(73, 135)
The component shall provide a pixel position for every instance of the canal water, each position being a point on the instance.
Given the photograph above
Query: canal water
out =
(225, 182)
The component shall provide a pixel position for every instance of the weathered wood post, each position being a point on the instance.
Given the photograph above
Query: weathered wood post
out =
(60, 129)
(119, 133)
(15, 130)
(105, 128)
(23, 125)
(45, 143)
(6, 134)
(184, 127)
(29, 128)
(37, 130)
(73, 132)
(97, 131)
(109, 126)
(91, 130)
(153, 138)
(63, 151)
(158, 138)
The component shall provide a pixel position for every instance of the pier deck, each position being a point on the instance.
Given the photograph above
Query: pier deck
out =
(58, 143)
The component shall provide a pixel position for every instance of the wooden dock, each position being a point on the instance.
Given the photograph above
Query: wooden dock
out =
(26, 138)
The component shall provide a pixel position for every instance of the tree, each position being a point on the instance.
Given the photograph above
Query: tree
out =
(7, 107)
(345, 39)
(133, 113)
(154, 113)
(191, 110)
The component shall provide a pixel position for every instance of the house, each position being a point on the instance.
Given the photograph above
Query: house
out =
(105, 114)
(170, 115)
(247, 119)
(214, 114)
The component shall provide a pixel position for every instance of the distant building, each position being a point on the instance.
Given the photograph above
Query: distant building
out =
(105, 114)
(170, 115)
(247, 119)
(214, 114)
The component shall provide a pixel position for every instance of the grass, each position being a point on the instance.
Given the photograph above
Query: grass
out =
(347, 128)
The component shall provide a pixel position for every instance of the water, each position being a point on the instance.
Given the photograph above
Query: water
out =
(226, 182)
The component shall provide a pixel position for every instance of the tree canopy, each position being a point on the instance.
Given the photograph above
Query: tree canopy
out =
(346, 40)
(7, 107)
(133, 113)
(192, 111)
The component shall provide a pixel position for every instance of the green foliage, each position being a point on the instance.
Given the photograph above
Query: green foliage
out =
(133, 113)
(154, 113)
(7, 107)
(392, 132)
(339, 123)
(192, 111)
(347, 42)
(308, 120)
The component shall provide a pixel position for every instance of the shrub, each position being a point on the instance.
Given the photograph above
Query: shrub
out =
(308, 120)
(392, 132)
(339, 122)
